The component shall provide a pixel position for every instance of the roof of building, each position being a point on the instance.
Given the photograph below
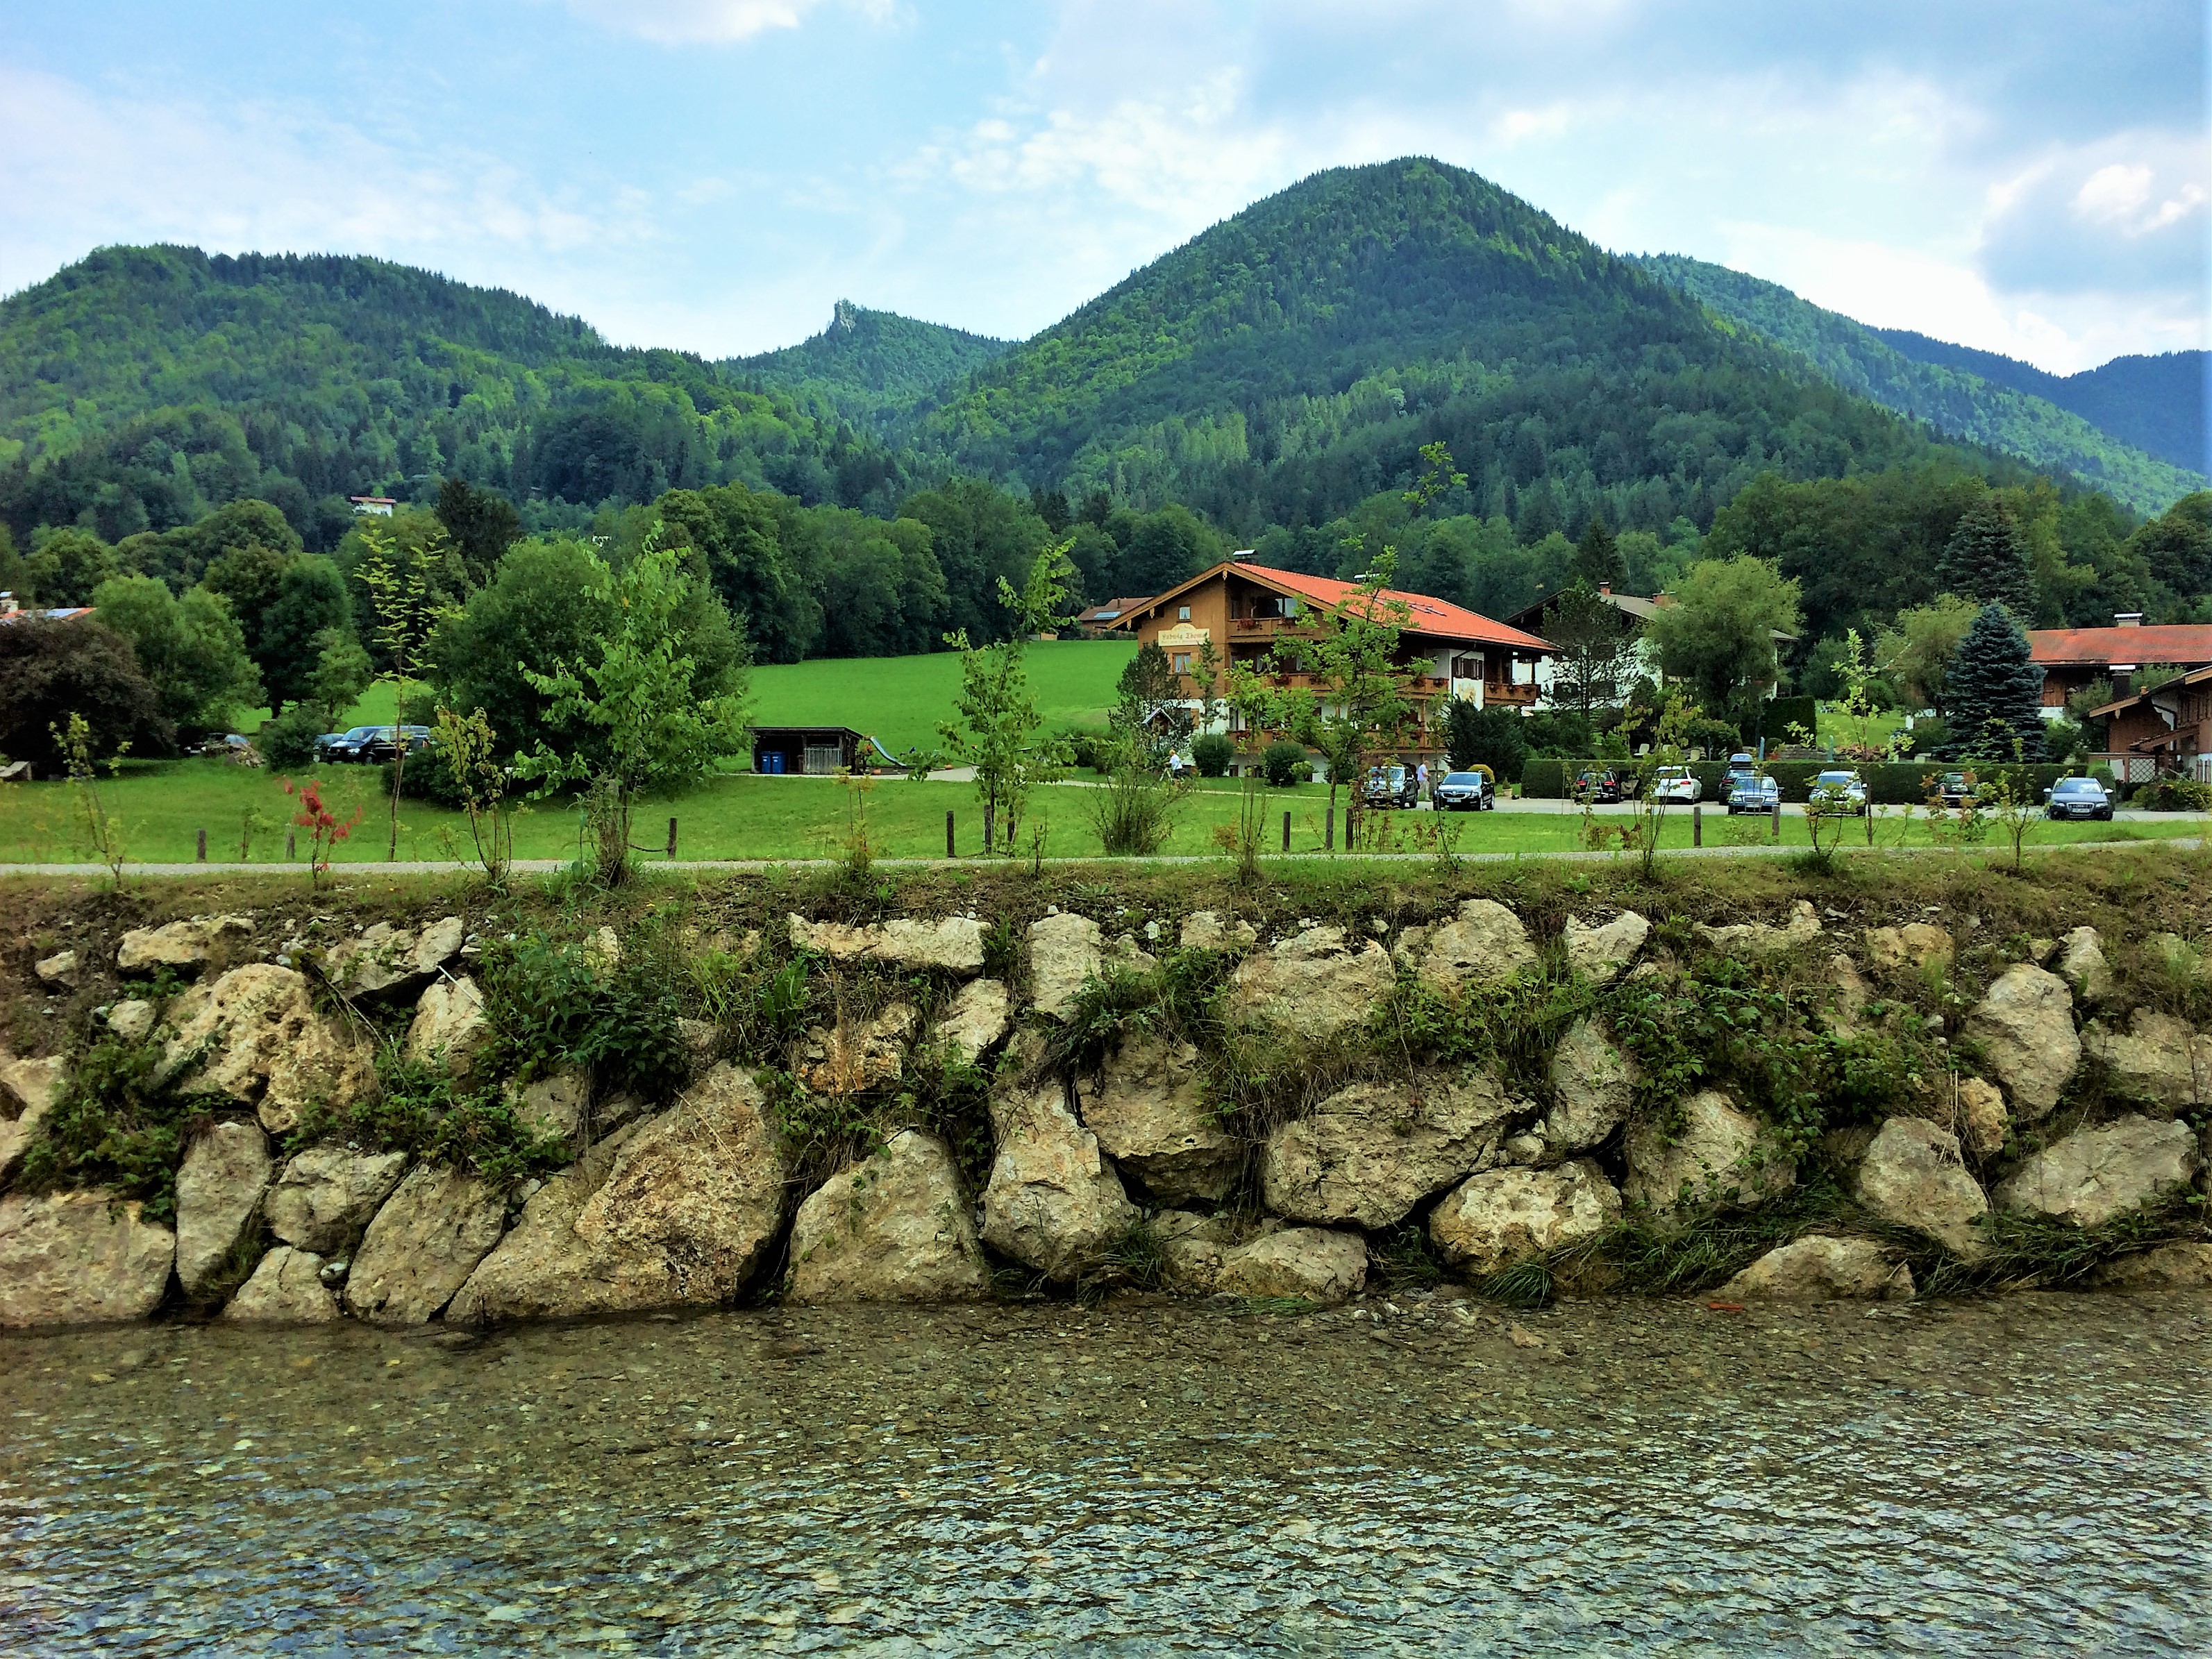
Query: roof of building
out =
(1532, 616)
(1439, 618)
(2201, 676)
(2100, 648)
(1109, 609)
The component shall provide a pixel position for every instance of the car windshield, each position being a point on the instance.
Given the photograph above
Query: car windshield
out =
(1838, 780)
(2079, 787)
(1463, 777)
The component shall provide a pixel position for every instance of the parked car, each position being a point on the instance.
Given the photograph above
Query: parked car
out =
(1598, 786)
(2077, 798)
(1755, 795)
(1677, 786)
(1466, 791)
(1392, 786)
(1956, 788)
(345, 745)
(381, 747)
(1741, 766)
(1841, 791)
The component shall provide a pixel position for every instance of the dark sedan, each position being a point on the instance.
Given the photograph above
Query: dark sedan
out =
(1599, 788)
(345, 745)
(381, 746)
(2077, 798)
(1466, 791)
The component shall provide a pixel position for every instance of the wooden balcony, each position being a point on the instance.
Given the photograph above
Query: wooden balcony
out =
(1496, 696)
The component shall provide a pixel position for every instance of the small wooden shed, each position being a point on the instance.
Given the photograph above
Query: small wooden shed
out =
(813, 750)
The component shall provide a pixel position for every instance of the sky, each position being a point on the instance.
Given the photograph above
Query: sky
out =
(2030, 178)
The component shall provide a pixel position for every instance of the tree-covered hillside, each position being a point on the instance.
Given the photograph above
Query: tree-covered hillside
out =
(871, 366)
(2156, 404)
(1292, 360)
(1950, 387)
(142, 386)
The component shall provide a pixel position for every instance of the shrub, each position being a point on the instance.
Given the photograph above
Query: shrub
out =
(550, 1005)
(288, 743)
(115, 1126)
(2169, 794)
(1134, 812)
(1214, 754)
(1284, 763)
(1544, 778)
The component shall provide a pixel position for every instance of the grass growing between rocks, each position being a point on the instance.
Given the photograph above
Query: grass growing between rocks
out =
(418, 1107)
(119, 1123)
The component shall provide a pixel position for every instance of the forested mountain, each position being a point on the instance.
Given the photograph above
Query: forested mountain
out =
(872, 366)
(142, 386)
(2156, 403)
(1973, 395)
(1292, 360)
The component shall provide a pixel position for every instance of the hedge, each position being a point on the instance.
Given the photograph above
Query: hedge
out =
(1898, 783)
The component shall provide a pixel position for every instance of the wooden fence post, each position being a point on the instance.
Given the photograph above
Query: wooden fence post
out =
(671, 837)
(949, 851)
(1287, 832)
(1697, 824)
(202, 852)
(1329, 829)
(291, 847)
(1776, 829)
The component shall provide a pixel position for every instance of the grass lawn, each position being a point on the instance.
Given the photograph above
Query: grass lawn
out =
(898, 700)
(163, 804)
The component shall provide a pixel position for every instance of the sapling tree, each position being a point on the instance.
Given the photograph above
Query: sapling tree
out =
(997, 733)
(465, 745)
(659, 724)
(409, 608)
(326, 829)
(1340, 690)
(104, 829)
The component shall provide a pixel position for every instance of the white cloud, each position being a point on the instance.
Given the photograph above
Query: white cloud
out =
(711, 22)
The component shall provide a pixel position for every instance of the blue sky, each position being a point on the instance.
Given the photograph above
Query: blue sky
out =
(2029, 177)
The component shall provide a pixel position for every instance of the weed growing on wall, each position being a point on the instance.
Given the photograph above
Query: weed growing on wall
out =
(418, 1108)
(551, 1004)
(119, 1125)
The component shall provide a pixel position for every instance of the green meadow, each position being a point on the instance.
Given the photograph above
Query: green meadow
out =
(164, 805)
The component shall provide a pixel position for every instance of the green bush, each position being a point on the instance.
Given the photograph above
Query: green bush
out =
(115, 1125)
(1543, 779)
(288, 743)
(550, 1005)
(2169, 794)
(1213, 754)
(1284, 763)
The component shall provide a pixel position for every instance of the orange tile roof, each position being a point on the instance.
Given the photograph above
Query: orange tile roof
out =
(2173, 642)
(1428, 615)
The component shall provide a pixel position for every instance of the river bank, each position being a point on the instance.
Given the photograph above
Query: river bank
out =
(2012, 1475)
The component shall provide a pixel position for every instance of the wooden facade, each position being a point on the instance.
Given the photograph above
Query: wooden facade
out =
(2168, 729)
(1238, 612)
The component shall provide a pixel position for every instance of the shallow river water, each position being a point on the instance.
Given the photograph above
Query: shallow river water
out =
(1419, 1476)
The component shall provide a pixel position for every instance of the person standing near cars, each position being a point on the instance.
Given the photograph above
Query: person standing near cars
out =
(1421, 784)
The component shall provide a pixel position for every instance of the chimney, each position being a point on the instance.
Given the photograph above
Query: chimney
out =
(2122, 683)
(2128, 619)
(1242, 554)
(1605, 588)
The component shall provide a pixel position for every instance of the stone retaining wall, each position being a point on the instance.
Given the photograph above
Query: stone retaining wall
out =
(2065, 1100)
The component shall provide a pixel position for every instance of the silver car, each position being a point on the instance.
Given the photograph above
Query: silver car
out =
(1840, 791)
(1756, 794)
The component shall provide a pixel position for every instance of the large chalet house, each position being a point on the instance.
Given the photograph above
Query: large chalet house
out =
(1641, 662)
(2074, 659)
(1241, 610)
(2165, 729)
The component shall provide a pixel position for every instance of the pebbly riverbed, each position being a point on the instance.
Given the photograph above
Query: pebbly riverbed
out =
(1416, 1474)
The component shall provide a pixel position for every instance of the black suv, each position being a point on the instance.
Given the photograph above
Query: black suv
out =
(381, 747)
(1599, 786)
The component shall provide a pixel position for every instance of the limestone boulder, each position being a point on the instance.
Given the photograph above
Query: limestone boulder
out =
(554, 1104)
(1482, 945)
(1848, 996)
(1053, 1202)
(327, 1195)
(1370, 1152)
(132, 1019)
(80, 1259)
(1311, 985)
(1192, 1248)
(1912, 1176)
(976, 1021)
(1983, 1123)
(1913, 946)
(1761, 939)
(858, 1056)
(1603, 952)
(2168, 1267)
(1146, 1105)
(1593, 1087)
(60, 970)
(677, 1208)
(386, 962)
(253, 1036)
(2025, 1029)
(891, 1228)
(1719, 1155)
(2082, 965)
(425, 1242)
(953, 945)
(1205, 930)
(182, 945)
(287, 1288)
(1819, 1268)
(219, 1187)
(2094, 1175)
(1308, 1264)
(2161, 1063)
(1065, 953)
(28, 1089)
(1498, 1218)
(449, 1028)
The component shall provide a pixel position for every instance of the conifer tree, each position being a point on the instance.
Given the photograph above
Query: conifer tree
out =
(1986, 559)
(1599, 558)
(1994, 694)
